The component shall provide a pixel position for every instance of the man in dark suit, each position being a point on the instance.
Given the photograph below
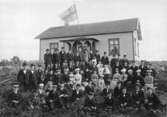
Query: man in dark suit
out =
(113, 63)
(143, 68)
(76, 94)
(47, 58)
(33, 83)
(104, 59)
(63, 56)
(138, 97)
(124, 99)
(56, 57)
(70, 57)
(23, 77)
(97, 56)
(39, 73)
(124, 60)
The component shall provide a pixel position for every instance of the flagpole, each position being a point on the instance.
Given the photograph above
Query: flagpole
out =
(74, 2)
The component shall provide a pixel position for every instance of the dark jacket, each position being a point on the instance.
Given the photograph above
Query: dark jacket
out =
(55, 58)
(104, 60)
(47, 58)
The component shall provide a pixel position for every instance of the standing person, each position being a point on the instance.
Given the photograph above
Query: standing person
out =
(62, 56)
(143, 68)
(86, 56)
(124, 60)
(77, 58)
(47, 58)
(56, 57)
(23, 77)
(113, 63)
(91, 55)
(70, 57)
(32, 78)
(39, 72)
(134, 67)
(97, 56)
(104, 59)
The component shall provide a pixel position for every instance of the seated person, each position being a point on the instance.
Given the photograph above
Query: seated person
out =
(123, 99)
(138, 97)
(118, 90)
(55, 97)
(152, 102)
(14, 96)
(149, 79)
(76, 94)
(106, 90)
(108, 103)
(90, 104)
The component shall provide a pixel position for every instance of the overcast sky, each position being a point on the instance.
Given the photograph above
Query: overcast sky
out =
(22, 20)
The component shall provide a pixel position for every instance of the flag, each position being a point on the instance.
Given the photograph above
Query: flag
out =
(70, 14)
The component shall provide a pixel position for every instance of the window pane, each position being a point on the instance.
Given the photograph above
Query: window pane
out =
(111, 42)
(116, 41)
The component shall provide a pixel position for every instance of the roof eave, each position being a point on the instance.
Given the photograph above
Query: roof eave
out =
(44, 38)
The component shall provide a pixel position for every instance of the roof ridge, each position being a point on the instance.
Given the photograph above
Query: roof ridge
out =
(63, 26)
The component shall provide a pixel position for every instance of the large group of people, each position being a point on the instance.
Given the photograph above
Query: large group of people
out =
(94, 82)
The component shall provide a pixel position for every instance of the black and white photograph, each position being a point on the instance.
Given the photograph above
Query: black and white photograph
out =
(83, 58)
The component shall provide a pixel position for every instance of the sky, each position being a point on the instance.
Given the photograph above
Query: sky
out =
(22, 20)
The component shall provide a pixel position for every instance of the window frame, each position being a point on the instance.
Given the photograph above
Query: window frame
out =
(53, 45)
(109, 45)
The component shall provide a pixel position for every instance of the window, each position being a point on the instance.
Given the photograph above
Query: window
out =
(53, 46)
(114, 47)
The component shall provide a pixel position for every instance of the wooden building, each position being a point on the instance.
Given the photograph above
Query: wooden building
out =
(115, 37)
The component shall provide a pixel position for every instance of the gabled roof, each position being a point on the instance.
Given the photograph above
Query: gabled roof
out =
(119, 26)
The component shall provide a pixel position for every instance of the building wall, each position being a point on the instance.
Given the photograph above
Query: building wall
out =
(136, 45)
(126, 42)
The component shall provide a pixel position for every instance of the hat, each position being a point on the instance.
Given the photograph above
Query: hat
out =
(124, 55)
(39, 65)
(77, 69)
(130, 70)
(32, 65)
(139, 70)
(15, 84)
(149, 71)
(90, 92)
(24, 64)
(71, 75)
(41, 85)
(56, 49)
(123, 70)
(101, 75)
